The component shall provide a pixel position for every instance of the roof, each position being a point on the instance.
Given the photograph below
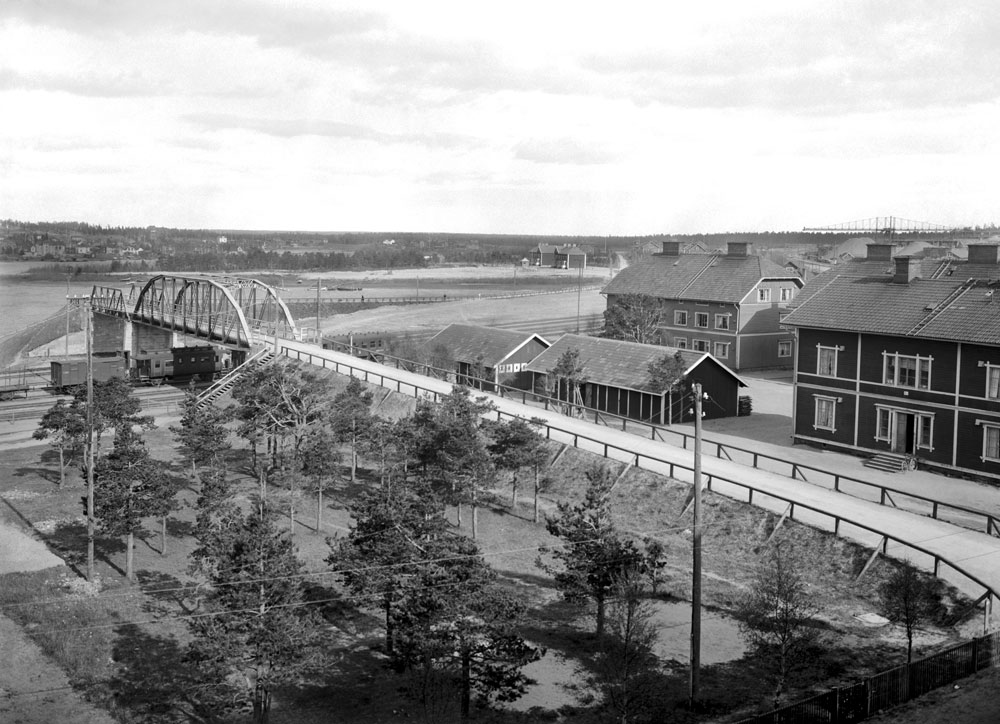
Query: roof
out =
(616, 363)
(959, 310)
(570, 250)
(470, 342)
(698, 277)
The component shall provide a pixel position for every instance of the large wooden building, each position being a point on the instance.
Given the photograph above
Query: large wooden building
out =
(484, 357)
(726, 304)
(615, 378)
(902, 355)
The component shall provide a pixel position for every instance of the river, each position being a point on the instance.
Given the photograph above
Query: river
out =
(24, 301)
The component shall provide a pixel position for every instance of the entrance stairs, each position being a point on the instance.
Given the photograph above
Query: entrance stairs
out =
(888, 462)
(221, 386)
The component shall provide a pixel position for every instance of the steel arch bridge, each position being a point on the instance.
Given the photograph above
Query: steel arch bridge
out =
(222, 310)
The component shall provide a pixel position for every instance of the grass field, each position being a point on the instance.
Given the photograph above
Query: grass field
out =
(124, 647)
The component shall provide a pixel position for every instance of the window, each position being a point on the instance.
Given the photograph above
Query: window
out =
(785, 348)
(991, 443)
(907, 371)
(826, 360)
(883, 427)
(722, 321)
(826, 413)
(699, 345)
(680, 342)
(680, 318)
(786, 294)
(925, 431)
(992, 381)
(701, 319)
(763, 295)
(721, 350)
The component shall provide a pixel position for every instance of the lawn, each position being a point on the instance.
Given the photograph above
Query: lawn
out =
(123, 648)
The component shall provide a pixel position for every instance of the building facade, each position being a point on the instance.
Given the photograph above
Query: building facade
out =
(729, 305)
(899, 363)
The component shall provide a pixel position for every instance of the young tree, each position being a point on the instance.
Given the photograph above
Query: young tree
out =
(115, 407)
(387, 442)
(595, 556)
(319, 459)
(457, 626)
(66, 429)
(633, 318)
(351, 417)
(567, 375)
(627, 671)
(256, 633)
(129, 487)
(394, 531)
(909, 599)
(515, 446)
(776, 616)
(202, 434)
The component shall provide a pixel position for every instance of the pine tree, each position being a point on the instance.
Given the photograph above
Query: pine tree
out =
(65, 427)
(256, 633)
(515, 446)
(202, 435)
(351, 417)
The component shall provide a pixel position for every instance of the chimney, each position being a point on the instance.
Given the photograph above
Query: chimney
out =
(671, 248)
(738, 248)
(879, 252)
(907, 269)
(982, 253)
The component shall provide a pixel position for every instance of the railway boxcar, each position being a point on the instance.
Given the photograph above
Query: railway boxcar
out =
(201, 360)
(73, 372)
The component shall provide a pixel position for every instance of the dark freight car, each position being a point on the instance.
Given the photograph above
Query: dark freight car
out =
(71, 373)
(190, 361)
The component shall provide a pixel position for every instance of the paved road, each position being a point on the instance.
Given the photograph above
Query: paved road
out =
(975, 553)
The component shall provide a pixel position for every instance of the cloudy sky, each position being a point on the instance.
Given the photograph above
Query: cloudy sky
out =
(535, 117)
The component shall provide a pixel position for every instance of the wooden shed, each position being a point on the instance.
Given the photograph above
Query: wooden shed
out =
(484, 357)
(614, 377)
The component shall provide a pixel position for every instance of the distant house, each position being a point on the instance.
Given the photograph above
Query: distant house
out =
(615, 378)
(484, 357)
(728, 304)
(902, 356)
(543, 255)
(570, 257)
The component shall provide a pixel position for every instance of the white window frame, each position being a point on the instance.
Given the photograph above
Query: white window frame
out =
(785, 294)
(721, 350)
(832, 427)
(722, 321)
(698, 316)
(918, 419)
(989, 426)
(680, 342)
(680, 318)
(763, 295)
(883, 414)
(820, 349)
(991, 370)
(921, 364)
(785, 344)
(888, 414)
(699, 345)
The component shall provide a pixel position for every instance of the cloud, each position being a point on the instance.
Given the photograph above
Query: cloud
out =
(565, 151)
(125, 84)
(296, 127)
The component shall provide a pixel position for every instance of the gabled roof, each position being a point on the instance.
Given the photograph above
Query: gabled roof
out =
(620, 364)
(470, 342)
(546, 248)
(697, 277)
(570, 250)
(958, 310)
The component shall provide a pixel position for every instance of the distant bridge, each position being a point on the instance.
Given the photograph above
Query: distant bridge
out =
(221, 310)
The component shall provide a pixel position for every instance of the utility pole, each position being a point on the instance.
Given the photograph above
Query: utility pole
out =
(696, 554)
(91, 523)
(67, 318)
(579, 291)
(319, 337)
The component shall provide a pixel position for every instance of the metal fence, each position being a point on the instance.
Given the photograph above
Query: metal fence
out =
(864, 699)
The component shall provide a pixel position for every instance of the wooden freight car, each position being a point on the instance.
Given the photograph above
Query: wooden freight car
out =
(201, 360)
(67, 374)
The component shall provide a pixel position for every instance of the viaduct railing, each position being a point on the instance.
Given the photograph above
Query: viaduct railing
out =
(660, 465)
(887, 495)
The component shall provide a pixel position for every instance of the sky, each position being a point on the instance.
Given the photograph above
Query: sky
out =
(549, 117)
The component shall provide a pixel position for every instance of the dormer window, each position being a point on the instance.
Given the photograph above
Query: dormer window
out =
(763, 295)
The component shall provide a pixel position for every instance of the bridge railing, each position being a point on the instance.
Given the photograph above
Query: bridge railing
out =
(660, 465)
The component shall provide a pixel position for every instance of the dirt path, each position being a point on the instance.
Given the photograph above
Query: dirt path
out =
(32, 688)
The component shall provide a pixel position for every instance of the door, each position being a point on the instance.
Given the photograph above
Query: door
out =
(903, 432)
